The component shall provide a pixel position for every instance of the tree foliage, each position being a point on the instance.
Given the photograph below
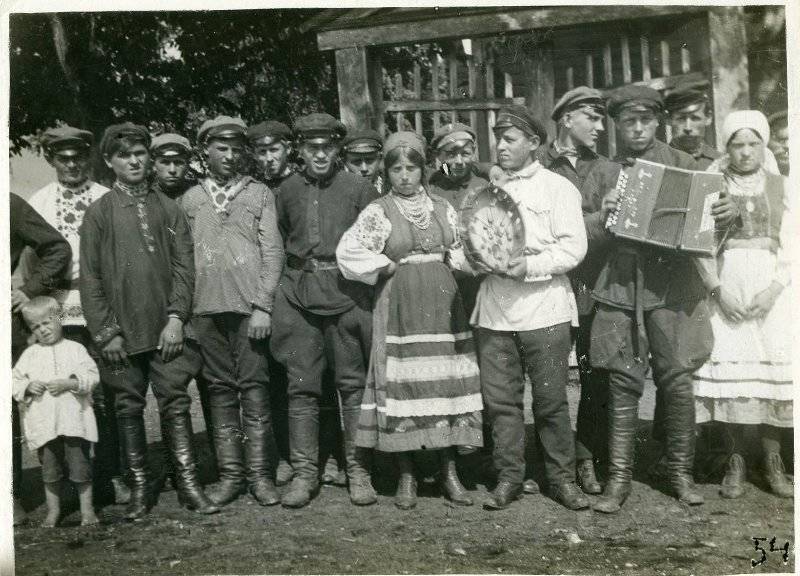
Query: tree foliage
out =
(169, 70)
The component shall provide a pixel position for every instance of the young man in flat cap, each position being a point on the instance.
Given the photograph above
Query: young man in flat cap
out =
(579, 116)
(361, 151)
(321, 319)
(779, 141)
(171, 155)
(136, 278)
(63, 204)
(689, 117)
(455, 145)
(238, 261)
(271, 146)
(523, 317)
(650, 302)
(30, 231)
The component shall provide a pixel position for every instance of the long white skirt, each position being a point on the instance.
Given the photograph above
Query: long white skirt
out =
(748, 378)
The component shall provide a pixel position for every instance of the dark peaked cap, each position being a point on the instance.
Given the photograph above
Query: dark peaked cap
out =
(362, 141)
(66, 137)
(319, 125)
(634, 95)
(271, 128)
(682, 98)
(124, 130)
(221, 127)
(520, 117)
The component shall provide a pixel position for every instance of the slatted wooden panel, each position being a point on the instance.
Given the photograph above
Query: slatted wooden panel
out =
(453, 88)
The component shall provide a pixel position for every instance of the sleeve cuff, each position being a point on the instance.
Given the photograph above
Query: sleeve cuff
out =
(102, 337)
(534, 274)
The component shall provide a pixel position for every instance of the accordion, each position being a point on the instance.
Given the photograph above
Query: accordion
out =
(667, 207)
(491, 228)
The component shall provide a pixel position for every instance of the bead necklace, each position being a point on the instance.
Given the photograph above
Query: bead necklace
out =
(416, 208)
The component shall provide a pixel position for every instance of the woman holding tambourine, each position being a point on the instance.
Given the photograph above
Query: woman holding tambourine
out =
(423, 387)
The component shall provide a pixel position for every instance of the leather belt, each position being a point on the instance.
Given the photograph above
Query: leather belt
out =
(417, 258)
(311, 264)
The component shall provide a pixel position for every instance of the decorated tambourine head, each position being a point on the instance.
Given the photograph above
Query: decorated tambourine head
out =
(491, 228)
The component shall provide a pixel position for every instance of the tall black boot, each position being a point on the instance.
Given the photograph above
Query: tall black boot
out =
(230, 455)
(304, 451)
(623, 411)
(680, 441)
(258, 445)
(134, 441)
(406, 496)
(360, 484)
(774, 471)
(179, 443)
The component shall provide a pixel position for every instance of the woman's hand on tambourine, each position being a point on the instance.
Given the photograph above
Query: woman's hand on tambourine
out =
(730, 305)
(763, 302)
(609, 203)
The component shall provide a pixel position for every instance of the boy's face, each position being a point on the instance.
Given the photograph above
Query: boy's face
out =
(515, 148)
(224, 156)
(45, 326)
(637, 129)
(320, 156)
(130, 164)
(170, 170)
(585, 125)
(458, 158)
(364, 163)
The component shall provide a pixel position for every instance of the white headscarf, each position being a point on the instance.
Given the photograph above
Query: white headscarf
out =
(753, 120)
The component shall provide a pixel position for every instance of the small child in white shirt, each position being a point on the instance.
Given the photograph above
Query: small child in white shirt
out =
(52, 382)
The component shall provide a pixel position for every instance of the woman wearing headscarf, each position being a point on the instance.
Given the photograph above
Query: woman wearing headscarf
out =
(423, 386)
(747, 381)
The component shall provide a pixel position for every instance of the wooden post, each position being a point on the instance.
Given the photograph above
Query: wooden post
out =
(356, 107)
(418, 96)
(452, 63)
(728, 58)
(541, 84)
(608, 71)
(480, 81)
(625, 50)
(589, 70)
(375, 75)
(435, 90)
(665, 68)
(645, 44)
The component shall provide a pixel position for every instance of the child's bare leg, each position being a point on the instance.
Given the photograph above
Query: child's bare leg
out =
(52, 493)
(88, 516)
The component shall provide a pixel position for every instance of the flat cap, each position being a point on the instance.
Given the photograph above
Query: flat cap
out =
(362, 141)
(221, 127)
(684, 97)
(170, 144)
(450, 133)
(124, 130)
(270, 128)
(575, 98)
(522, 118)
(634, 95)
(66, 137)
(319, 125)
(405, 139)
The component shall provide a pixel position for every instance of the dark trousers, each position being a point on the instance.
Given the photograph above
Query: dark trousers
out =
(236, 370)
(169, 380)
(591, 437)
(107, 456)
(279, 405)
(544, 355)
(309, 343)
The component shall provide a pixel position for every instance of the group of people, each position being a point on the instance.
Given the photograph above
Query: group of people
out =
(339, 283)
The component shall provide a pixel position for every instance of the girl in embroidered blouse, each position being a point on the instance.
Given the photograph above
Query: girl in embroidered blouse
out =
(52, 382)
(423, 387)
(747, 383)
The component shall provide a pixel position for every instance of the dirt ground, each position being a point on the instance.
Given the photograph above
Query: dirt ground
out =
(653, 534)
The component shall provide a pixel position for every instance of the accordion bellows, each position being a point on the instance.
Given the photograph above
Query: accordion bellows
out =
(667, 207)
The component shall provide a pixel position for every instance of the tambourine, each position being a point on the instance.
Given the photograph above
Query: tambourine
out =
(491, 228)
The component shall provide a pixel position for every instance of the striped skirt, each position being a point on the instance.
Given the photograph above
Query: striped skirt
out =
(423, 385)
(748, 379)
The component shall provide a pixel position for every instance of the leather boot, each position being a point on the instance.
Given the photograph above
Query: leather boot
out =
(20, 516)
(304, 451)
(258, 444)
(284, 473)
(586, 477)
(776, 477)
(134, 441)
(179, 443)
(406, 496)
(623, 411)
(680, 441)
(453, 488)
(230, 455)
(356, 458)
(733, 482)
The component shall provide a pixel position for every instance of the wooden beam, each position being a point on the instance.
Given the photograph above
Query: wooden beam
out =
(375, 75)
(459, 104)
(541, 85)
(625, 50)
(728, 60)
(589, 70)
(356, 109)
(645, 45)
(418, 96)
(505, 20)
